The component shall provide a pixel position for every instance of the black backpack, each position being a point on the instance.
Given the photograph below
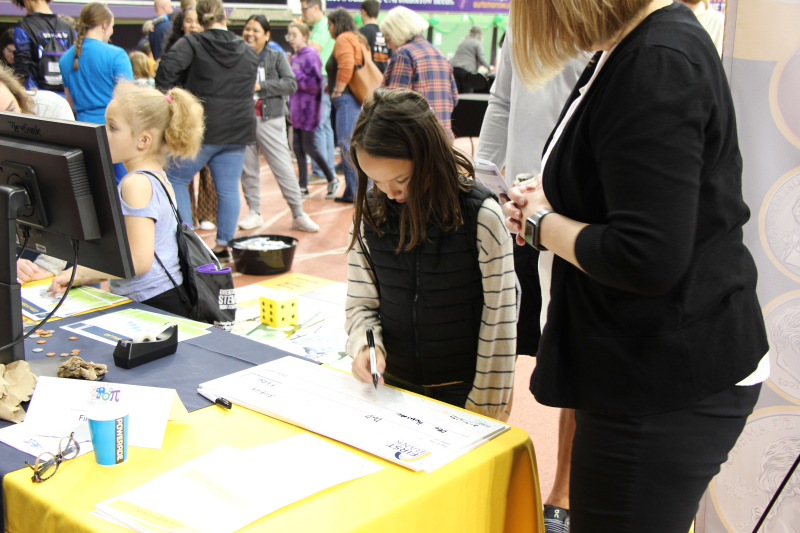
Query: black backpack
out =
(48, 70)
(207, 291)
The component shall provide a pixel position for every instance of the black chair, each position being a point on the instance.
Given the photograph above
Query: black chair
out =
(467, 117)
(477, 82)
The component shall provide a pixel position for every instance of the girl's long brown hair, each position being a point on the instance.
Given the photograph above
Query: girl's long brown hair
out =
(92, 15)
(399, 124)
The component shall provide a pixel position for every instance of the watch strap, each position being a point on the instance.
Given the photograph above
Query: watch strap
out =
(535, 221)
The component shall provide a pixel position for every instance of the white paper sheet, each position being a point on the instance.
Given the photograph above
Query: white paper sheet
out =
(17, 436)
(408, 430)
(488, 174)
(226, 489)
(59, 406)
(37, 302)
(112, 327)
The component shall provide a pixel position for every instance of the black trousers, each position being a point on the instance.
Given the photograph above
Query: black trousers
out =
(460, 76)
(169, 301)
(455, 394)
(526, 266)
(305, 143)
(648, 473)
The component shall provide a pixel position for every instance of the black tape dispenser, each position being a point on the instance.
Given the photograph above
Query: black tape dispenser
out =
(130, 354)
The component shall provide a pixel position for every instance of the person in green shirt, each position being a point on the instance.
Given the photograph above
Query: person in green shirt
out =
(320, 38)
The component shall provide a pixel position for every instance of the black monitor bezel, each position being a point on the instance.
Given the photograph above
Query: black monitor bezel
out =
(111, 253)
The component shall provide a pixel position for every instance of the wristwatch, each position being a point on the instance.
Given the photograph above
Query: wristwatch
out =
(532, 231)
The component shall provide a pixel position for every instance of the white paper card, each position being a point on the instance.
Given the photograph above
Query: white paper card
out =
(226, 489)
(59, 406)
(488, 174)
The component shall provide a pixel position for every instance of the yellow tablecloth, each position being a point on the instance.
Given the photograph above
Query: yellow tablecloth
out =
(491, 489)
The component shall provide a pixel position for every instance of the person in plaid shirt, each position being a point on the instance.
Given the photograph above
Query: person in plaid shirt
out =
(417, 65)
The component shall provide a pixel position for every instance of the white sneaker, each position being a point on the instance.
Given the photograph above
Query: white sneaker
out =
(304, 223)
(252, 220)
(333, 188)
(206, 225)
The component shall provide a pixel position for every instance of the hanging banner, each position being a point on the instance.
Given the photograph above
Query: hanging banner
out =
(451, 6)
(762, 60)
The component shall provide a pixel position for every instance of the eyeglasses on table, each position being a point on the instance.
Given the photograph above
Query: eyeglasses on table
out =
(46, 464)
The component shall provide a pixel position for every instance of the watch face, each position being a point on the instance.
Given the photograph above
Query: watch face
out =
(529, 231)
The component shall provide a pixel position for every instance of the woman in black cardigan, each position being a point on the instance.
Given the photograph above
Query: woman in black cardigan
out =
(220, 69)
(652, 330)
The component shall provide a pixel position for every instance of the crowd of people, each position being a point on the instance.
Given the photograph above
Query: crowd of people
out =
(254, 83)
(616, 258)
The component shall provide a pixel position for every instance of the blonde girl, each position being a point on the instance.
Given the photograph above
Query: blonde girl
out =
(144, 126)
(142, 71)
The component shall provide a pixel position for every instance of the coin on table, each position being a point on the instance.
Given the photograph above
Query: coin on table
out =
(37, 350)
(64, 355)
(34, 336)
(39, 331)
(50, 354)
(40, 342)
(73, 338)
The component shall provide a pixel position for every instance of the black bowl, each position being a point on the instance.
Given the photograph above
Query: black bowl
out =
(263, 262)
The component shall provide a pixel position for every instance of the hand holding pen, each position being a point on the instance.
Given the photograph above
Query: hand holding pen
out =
(373, 364)
(361, 366)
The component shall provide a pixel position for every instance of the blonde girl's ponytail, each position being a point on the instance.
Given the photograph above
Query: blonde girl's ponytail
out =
(92, 15)
(184, 133)
(175, 119)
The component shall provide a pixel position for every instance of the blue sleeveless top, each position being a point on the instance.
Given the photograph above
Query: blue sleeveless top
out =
(154, 281)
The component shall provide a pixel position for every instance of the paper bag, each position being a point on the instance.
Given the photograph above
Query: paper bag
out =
(16, 386)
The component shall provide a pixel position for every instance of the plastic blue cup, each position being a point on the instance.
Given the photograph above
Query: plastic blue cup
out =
(108, 425)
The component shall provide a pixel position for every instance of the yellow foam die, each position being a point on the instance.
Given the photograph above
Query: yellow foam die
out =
(279, 309)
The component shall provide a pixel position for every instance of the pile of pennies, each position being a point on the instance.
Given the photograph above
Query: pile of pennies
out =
(43, 334)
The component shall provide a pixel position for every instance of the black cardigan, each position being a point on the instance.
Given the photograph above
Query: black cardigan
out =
(220, 69)
(666, 312)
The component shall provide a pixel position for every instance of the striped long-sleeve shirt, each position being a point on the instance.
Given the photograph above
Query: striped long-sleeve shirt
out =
(494, 372)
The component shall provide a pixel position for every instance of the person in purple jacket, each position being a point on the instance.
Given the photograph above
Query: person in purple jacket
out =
(305, 106)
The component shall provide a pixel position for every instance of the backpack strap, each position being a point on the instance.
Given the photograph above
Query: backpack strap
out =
(181, 294)
(169, 198)
(184, 298)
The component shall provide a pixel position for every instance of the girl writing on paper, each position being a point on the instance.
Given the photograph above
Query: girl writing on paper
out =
(143, 126)
(431, 270)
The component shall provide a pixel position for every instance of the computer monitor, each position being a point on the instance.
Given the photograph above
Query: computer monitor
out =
(62, 173)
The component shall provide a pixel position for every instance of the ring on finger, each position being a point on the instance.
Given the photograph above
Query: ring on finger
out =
(528, 178)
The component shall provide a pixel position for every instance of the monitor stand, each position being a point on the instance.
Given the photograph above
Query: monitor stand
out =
(12, 200)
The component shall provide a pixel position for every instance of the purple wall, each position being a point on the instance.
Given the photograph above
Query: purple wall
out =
(126, 35)
(451, 6)
(8, 9)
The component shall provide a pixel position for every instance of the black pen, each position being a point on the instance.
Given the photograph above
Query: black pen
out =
(373, 364)
(222, 402)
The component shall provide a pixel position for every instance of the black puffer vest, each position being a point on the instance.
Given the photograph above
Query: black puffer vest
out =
(431, 298)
